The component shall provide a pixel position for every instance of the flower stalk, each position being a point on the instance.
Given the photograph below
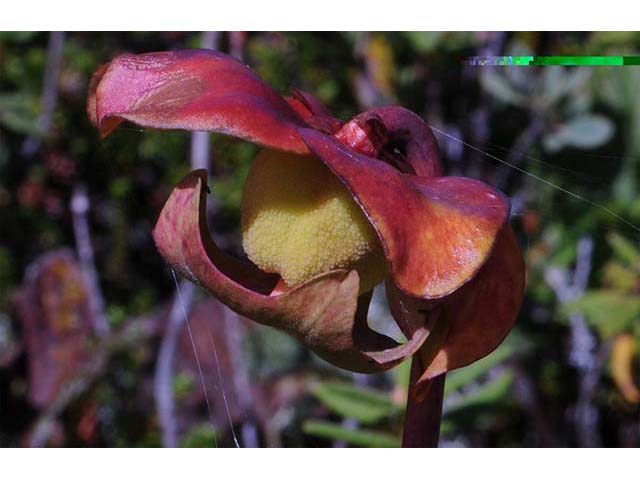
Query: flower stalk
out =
(423, 414)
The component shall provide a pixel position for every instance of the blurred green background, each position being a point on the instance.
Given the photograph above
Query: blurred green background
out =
(93, 349)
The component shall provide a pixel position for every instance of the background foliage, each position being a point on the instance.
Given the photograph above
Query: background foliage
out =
(86, 304)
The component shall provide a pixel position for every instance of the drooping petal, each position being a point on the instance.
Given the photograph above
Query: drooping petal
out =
(192, 90)
(473, 321)
(436, 232)
(323, 313)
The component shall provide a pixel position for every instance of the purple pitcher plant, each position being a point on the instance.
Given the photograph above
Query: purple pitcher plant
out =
(330, 210)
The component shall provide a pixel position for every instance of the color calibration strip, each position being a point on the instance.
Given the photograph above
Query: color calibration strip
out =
(530, 61)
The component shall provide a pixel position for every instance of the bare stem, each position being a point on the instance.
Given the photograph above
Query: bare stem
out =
(236, 44)
(163, 380)
(583, 355)
(235, 332)
(424, 410)
(49, 98)
(80, 209)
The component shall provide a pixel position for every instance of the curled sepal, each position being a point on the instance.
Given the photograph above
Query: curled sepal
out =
(472, 322)
(407, 132)
(324, 313)
(436, 232)
(192, 90)
(313, 112)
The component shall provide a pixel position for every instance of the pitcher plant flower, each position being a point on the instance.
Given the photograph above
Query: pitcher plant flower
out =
(329, 210)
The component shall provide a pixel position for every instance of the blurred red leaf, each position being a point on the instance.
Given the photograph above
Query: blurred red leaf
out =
(53, 307)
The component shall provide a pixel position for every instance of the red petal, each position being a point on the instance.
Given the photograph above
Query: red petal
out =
(473, 321)
(193, 90)
(313, 112)
(409, 132)
(436, 232)
(324, 313)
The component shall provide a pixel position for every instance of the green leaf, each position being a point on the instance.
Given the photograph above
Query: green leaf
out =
(623, 248)
(200, 436)
(18, 113)
(357, 438)
(365, 405)
(583, 131)
(183, 385)
(554, 79)
(402, 375)
(500, 87)
(600, 41)
(558, 82)
(424, 42)
(609, 311)
(619, 277)
(17, 37)
(577, 78)
(465, 376)
(489, 393)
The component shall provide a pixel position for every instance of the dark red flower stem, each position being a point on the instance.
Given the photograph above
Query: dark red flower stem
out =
(424, 410)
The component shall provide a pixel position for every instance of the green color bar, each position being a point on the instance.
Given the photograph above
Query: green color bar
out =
(578, 61)
(573, 61)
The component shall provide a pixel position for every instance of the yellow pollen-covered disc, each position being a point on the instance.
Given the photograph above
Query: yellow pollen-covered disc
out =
(298, 220)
